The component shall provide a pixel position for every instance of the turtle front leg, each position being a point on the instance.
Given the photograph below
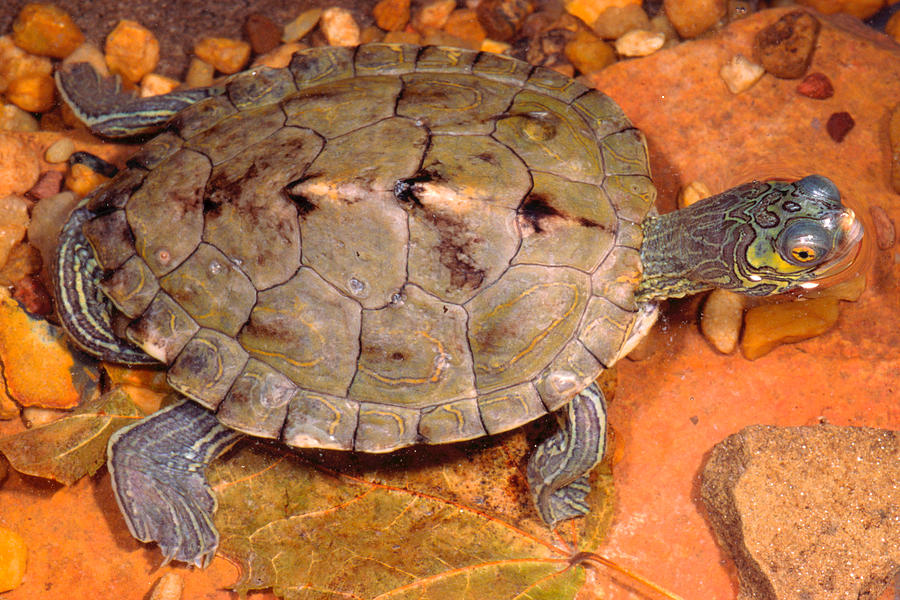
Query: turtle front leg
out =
(558, 469)
(158, 470)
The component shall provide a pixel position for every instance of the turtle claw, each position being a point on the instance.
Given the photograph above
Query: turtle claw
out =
(158, 469)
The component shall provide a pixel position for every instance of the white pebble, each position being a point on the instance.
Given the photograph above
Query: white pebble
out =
(339, 27)
(300, 26)
(13, 118)
(739, 73)
(169, 587)
(640, 42)
(59, 151)
(691, 193)
(721, 318)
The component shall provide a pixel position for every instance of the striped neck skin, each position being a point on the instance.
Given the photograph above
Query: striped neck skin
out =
(759, 239)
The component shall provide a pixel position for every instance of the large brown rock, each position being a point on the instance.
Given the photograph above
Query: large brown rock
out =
(807, 513)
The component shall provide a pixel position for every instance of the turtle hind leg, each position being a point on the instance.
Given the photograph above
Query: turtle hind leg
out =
(558, 469)
(158, 471)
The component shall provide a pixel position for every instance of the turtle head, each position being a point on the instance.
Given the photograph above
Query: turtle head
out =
(760, 238)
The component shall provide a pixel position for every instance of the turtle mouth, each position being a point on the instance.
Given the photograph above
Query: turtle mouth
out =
(847, 248)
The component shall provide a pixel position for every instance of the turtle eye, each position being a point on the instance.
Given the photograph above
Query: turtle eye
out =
(804, 243)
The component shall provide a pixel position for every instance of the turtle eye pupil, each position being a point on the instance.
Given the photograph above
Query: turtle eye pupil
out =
(803, 253)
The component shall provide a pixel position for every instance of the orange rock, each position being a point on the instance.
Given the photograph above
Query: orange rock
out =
(769, 326)
(463, 23)
(16, 63)
(391, 15)
(46, 30)
(616, 21)
(200, 73)
(339, 27)
(131, 50)
(26, 342)
(34, 93)
(226, 55)
(280, 57)
(82, 180)
(858, 8)
(433, 15)
(156, 85)
(13, 224)
(892, 28)
(589, 53)
(693, 17)
(894, 136)
(8, 410)
(589, 10)
(13, 555)
(402, 37)
(302, 25)
(20, 164)
(720, 319)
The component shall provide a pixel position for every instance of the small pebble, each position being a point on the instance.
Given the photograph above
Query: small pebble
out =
(692, 193)
(437, 37)
(280, 57)
(391, 15)
(403, 37)
(502, 19)
(82, 180)
(199, 74)
(616, 21)
(131, 50)
(885, 232)
(13, 118)
(662, 24)
(59, 151)
(46, 30)
(13, 223)
(495, 46)
(47, 218)
(35, 416)
(24, 260)
(33, 93)
(32, 295)
(433, 14)
(262, 32)
(693, 17)
(839, 125)
(816, 86)
(225, 54)
(740, 74)
(91, 54)
(463, 23)
(640, 42)
(169, 587)
(721, 318)
(13, 556)
(768, 326)
(370, 34)
(302, 25)
(15, 63)
(588, 53)
(590, 10)
(785, 48)
(20, 165)
(49, 183)
(154, 84)
(894, 137)
(339, 27)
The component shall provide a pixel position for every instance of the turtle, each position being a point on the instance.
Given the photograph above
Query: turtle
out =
(389, 245)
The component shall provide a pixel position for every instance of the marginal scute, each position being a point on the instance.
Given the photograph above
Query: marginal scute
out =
(231, 136)
(606, 328)
(385, 59)
(199, 117)
(414, 353)
(451, 422)
(631, 195)
(206, 367)
(156, 150)
(565, 223)
(571, 371)
(453, 102)
(618, 277)
(116, 192)
(171, 194)
(257, 403)
(111, 239)
(548, 81)
(251, 89)
(307, 330)
(247, 213)
(317, 420)
(384, 427)
(320, 65)
(625, 153)
(442, 59)
(163, 329)
(501, 68)
(517, 322)
(131, 287)
(510, 407)
(212, 289)
(602, 115)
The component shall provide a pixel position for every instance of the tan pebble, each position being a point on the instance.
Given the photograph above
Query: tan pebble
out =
(15, 63)
(302, 25)
(339, 27)
(816, 86)
(49, 183)
(463, 23)
(34, 93)
(768, 326)
(433, 14)
(13, 223)
(720, 319)
(616, 21)
(640, 42)
(862, 9)
(892, 28)
(739, 73)
(391, 15)
(24, 260)
(785, 48)
(502, 19)
(280, 57)
(169, 587)
(437, 37)
(885, 232)
(132, 50)
(91, 54)
(154, 84)
(225, 54)
(402, 37)
(849, 290)
(20, 165)
(496, 47)
(35, 416)
(263, 34)
(588, 53)
(662, 24)
(590, 10)
(47, 218)
(199, 74)
(692, 193)
(13, 118)
(59, 151)
(13, 558)
(693, 17)
(370, 34)
(894, 137)
(46, 30)
(82, 180)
